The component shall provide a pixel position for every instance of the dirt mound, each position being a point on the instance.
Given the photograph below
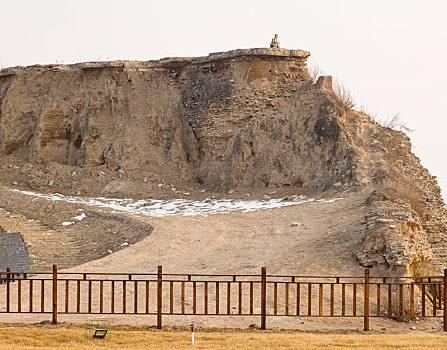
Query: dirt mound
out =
(67, 234)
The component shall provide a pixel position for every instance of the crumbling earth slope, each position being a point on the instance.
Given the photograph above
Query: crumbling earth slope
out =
(244, 121)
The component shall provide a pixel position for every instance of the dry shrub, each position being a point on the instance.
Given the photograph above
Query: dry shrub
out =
(397, 190)
(365, 110)
(344, 96)
(314, 71)
(395, 124)
(421, 268)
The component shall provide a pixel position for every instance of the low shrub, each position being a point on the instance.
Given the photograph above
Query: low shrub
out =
(398, 190)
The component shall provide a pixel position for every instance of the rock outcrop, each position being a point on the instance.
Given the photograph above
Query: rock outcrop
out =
(394, 237)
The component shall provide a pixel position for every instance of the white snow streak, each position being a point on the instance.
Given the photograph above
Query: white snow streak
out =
(184, 207)
(80, 217)
(67, 223)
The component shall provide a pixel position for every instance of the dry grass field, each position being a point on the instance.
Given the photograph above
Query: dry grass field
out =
(22, 336)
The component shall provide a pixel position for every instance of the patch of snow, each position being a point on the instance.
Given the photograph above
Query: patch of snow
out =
(184, 207)
(329, 200)
(67, 223)
(80, 217)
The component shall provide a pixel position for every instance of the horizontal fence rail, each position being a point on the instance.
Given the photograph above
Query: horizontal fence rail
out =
(263, 295)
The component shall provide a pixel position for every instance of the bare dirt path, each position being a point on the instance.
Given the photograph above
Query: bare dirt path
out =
(302, 239)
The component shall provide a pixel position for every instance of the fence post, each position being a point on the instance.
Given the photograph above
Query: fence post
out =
(8, 288)
(445, 300)
(159, 297)
(54, 321)
(366, 302)
(263, 296)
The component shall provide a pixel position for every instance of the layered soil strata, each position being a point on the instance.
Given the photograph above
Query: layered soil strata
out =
(240, 120)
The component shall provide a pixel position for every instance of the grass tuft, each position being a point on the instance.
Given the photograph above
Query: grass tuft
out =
(314, 71)
(344, 96)
(395, 124)
(398, 190)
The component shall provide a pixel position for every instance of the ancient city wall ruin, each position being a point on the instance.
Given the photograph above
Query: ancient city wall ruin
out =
(245, 118)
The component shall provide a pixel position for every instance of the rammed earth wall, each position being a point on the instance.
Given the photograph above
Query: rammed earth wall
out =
(240, 119)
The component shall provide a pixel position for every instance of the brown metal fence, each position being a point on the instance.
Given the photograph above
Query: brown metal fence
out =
(261, 295)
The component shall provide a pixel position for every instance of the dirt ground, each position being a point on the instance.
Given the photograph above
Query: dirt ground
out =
(244, 242)
(306, 239)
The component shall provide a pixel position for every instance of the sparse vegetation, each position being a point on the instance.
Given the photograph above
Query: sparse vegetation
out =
(391, 123)
(314, 71)
(421, 268)
(365, 110)
(399, 190)
(344, 96)
(14, 337)
(395, 124)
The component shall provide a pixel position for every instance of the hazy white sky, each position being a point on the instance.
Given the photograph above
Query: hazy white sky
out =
(391, 54)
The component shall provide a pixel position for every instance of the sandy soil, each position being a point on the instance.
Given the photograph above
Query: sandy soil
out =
(322, 242)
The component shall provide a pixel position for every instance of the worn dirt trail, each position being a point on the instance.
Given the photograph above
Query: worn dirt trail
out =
(322, 242)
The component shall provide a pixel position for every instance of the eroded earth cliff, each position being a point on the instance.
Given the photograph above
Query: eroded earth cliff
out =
(243, 120)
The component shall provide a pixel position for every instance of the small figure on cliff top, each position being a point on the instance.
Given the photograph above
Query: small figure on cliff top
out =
(275, 42)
